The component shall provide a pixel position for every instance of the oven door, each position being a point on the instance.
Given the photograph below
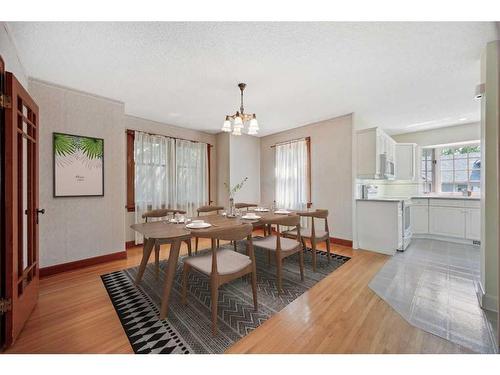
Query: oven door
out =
(407, 229)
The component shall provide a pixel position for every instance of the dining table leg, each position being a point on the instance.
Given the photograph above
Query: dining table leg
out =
(146, 253)
(169, 277)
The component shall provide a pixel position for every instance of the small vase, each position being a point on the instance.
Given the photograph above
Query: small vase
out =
(231, 212)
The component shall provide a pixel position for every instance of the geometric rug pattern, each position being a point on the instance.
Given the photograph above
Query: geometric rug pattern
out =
(187, 328)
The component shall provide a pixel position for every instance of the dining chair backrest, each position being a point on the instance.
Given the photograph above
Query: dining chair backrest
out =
(317, 214)
(206, 209)
(229, 233)
(161, 213)
(245, 205)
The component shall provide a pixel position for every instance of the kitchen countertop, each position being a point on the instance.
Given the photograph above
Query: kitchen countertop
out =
(380, 200)
(445, 197)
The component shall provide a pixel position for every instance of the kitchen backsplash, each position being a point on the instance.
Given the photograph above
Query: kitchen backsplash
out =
(391, 188)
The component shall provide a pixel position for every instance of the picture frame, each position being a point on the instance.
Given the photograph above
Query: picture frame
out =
(78, 165)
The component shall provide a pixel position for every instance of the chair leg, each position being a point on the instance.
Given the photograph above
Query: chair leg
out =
(328, 248)
(188, 243)
(279, 265)
(196, 245)
(254, 288)
(301, 264)
(234, 245)
(214, 291)
(185, 279)
(157, 261)
(313, 246)
(218, 243)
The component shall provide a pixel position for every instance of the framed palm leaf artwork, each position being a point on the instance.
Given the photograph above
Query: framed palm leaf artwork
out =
(78, 165)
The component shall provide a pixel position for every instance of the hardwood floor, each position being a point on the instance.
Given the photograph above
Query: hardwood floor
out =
(338, 315)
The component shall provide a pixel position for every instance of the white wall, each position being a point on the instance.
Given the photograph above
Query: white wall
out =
(9, 54)
(448, 134)
(490, 65)
(331, 169)
(244, 162)
(136, 123)
(79, 228)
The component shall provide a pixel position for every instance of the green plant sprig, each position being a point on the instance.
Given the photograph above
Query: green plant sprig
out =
(236, 187)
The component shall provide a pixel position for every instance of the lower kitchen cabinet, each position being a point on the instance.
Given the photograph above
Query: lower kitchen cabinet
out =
(447, 221)
(473, 224)
(420, 219)
(452, 218)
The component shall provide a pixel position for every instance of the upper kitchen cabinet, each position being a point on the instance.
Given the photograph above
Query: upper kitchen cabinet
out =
(405, 161)
(376, 154)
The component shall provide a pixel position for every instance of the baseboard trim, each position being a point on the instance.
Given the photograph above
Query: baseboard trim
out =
(429, 236)
(130, 244)
(341, 241)
(58, 268)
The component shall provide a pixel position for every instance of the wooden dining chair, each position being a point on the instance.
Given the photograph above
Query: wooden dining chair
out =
(241, 206)
(313, 234)
(157, 214)
(222, 265)
(282, 247)
(205, 210)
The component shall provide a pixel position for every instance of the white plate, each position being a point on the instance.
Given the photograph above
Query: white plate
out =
(198, 225)
(251, 217)
(282, 212)
(262, 209)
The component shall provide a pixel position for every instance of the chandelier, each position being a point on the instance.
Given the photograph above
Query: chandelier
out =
(235, 123)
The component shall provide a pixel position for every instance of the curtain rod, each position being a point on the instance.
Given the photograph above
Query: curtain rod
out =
(307, 139)
(166, 136)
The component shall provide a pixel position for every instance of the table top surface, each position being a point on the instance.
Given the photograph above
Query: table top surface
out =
(165, 230)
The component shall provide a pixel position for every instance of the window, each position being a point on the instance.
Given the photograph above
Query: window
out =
(293, 174)
(154, 144)
(427, 170)
(460, 168)
(451, 169)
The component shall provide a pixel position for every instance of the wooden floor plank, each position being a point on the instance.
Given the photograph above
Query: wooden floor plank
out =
(338, 315)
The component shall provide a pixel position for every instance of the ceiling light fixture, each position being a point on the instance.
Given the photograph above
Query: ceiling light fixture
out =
(235, 123)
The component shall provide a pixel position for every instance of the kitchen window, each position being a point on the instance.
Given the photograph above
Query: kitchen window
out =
(451, 169)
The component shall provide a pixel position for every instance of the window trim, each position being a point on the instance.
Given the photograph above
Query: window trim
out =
(130, 178)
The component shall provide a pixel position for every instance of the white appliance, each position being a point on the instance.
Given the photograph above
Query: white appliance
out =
(407, 232)
(383, 225)
(387, 168)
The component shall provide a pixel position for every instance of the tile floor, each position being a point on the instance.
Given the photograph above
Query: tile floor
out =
(433, 286)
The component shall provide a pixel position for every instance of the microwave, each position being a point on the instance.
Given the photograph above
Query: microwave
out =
(387, 169)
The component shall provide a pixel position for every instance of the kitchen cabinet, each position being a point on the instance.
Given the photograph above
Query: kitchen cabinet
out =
(447, 221)
(371, 143)
(405, 161)
(420, 219)
(473, 224)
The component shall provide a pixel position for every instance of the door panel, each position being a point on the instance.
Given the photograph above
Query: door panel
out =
(473, 224)
(447, 221)
(420, 219)
(21, 205)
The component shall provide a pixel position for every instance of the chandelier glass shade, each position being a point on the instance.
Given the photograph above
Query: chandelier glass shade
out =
(236, 123)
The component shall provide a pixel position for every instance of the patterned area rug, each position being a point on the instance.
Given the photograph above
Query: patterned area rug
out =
(188, 327)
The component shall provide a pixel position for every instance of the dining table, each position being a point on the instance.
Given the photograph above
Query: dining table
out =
(166, 231)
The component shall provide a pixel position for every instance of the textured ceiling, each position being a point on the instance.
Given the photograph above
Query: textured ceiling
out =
(400, 76)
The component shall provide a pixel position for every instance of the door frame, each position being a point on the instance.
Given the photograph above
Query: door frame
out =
(3, 266)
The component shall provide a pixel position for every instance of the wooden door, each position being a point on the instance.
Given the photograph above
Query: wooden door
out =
(20, 181)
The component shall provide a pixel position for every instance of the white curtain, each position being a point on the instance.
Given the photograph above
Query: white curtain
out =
(192, 175)
(154, 158)
(291, 175)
